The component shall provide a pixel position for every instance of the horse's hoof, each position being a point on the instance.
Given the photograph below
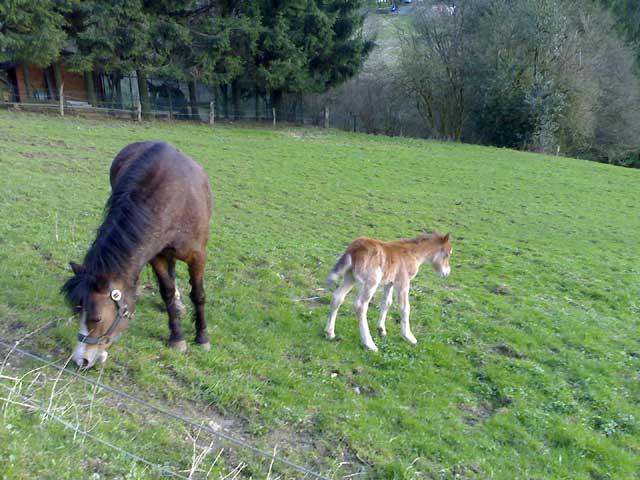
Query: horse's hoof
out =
(410, 339)
(382, 331)
(372, 347)
(179, 345)
(329, 335)
(204, 346)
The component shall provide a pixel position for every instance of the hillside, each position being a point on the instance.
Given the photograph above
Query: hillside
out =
(528, 354)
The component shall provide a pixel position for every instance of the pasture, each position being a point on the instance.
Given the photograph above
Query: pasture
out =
(528, 356)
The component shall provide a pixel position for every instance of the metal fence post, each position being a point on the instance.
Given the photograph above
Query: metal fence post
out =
(273, 111)
(139, 106)
(212, 113)
(326, 117)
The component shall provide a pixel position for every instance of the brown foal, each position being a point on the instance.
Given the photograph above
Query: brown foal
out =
(369, 263)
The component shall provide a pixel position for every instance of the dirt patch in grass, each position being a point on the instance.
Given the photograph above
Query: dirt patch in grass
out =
(507, 351)
(476, 413)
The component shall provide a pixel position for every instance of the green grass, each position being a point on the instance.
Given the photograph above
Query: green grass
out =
(528, 354)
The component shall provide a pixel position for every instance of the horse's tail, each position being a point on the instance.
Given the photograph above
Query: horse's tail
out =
(342, 265)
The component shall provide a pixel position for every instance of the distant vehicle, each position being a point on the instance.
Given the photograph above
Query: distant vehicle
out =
(408, 1)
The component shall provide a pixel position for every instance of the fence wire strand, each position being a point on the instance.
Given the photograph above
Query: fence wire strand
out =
(168, 413)
(30, 403)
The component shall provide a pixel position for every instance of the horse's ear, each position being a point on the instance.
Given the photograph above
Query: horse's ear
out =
(445, 239)
(77, 268)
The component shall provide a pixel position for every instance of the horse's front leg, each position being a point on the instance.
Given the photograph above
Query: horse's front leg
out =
(405, 310)
(361, 305)
(167, 284)
(177, 298)
(196, 273)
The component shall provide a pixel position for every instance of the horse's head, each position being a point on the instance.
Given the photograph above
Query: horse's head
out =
(104, 306)
(440, 258)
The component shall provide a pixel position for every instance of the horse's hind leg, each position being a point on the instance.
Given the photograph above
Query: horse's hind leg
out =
(196, 273)
(336, 300)
(387, 299)
(361, 304)
(161, 267)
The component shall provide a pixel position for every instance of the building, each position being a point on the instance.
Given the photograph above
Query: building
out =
(25, 83)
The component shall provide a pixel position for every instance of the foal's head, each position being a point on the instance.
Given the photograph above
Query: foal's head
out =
(104, 307)
(440, 257)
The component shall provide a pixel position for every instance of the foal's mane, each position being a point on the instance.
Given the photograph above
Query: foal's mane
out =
(127, 220)
(422, 237)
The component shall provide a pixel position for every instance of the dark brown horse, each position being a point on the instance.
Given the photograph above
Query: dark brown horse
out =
(159, 212)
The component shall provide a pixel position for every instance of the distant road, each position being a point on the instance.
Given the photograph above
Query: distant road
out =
(405, 9)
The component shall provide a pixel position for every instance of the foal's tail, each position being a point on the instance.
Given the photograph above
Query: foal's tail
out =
(342, 265)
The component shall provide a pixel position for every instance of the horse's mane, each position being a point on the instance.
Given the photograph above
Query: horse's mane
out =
(422, 237)
(127, 221)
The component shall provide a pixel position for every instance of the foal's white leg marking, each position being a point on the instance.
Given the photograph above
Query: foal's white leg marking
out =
(387, 300)
(405, 310)
(362, 305)
(336, 300)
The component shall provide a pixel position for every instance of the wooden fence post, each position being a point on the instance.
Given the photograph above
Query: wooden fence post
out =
(62, 99)
(212, 113)
(139, 113)
(273, 111)
(326, 117)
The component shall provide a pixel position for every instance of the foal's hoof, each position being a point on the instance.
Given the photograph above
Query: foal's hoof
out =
(179, 345)
(329, 335)
(410, 339)
(204, 346)
(382, 331)
(371, 347)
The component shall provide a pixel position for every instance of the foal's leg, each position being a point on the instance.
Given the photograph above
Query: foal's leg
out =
(177, 298)
(405, 309)
(336, 301)
(196, 274)
(361, 304)
(167, 285)
(387, 300)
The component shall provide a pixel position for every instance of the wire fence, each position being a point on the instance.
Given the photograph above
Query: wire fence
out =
(173, 104)
(169, 106)
(29, 402)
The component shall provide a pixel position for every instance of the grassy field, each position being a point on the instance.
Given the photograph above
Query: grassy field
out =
(528, 355)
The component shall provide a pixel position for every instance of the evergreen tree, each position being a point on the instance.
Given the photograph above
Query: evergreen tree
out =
(32, 33)
(309, 45)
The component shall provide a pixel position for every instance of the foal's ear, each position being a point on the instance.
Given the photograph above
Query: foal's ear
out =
(77, 268)
(445, 239)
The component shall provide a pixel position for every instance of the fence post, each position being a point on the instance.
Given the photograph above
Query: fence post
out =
(139, 107)
(326, 117)
(212, 113)
(62, 99)
(354, 123)
(273, 111)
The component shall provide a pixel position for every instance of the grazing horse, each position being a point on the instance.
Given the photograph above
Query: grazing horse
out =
(158, 212)
(369, 263)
